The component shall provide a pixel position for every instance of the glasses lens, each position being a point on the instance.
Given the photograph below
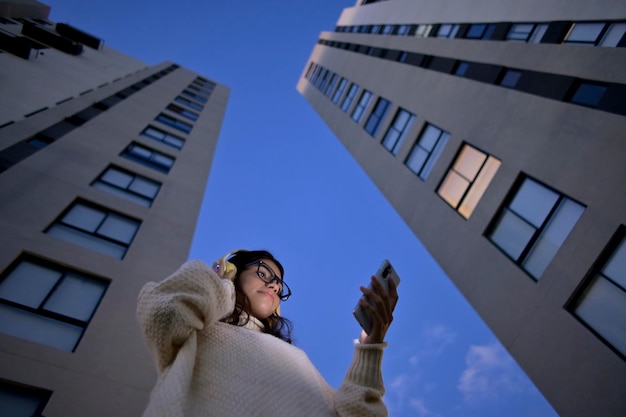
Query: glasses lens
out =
(267, 274)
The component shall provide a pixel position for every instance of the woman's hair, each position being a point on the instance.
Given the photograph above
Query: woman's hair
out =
(275, 325)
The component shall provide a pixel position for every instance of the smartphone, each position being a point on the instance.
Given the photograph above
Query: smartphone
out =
(384, 274)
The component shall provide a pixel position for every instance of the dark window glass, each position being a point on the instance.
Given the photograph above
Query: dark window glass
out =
(588, 94)
(377, 115)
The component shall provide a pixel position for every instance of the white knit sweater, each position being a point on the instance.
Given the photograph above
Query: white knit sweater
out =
(209, 368)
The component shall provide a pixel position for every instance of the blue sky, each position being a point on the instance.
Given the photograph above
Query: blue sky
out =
(281, 181)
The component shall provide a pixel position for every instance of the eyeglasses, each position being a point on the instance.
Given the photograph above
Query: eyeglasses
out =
(268, 276)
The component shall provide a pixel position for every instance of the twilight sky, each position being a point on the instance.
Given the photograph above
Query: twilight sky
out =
(281, 181)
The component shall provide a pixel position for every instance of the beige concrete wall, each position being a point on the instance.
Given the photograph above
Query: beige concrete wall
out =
(110, 373)
(578, 151)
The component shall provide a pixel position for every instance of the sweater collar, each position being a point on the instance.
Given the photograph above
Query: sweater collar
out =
(253, 323)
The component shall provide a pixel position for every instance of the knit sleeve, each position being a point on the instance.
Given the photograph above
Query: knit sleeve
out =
(188, 300)
(362, 390)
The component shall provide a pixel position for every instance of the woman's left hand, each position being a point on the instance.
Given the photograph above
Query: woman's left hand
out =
(379, 304)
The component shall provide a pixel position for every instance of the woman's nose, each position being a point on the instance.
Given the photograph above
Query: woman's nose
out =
(274, 286)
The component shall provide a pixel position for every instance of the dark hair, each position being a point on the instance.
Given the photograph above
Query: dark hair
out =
(275, 325)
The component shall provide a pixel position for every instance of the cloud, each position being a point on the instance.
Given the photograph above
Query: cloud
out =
(490, 372)
(417, 404)
(434, 340)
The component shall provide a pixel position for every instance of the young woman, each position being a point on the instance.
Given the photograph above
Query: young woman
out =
(222, 349)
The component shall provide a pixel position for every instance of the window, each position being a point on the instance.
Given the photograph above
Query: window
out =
(128, 185)
(533, 225)
(510, 78)
(322, 81)
(480, 31)
(47, 303)
(175, 123)
(588, 94)
(426, 150)
(468, 178)
(364, 101)
(189, 103)
(347, 101)
(164, 137)
(461, 68)
(447, 31)
(527, 32)
(183, 112)
(340, 90)
(396, 133)
(196, 97)
(377, 115)
(403, 30)
(601, 304)
(584, 33)
(423, 30)
(387, 29)
(148, 157)
(199, 90)
(309, 70)
(331, 85)
(614, 34)
(22, 401)
(95, 228)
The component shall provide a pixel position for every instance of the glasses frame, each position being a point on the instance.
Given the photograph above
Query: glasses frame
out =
(283, 295)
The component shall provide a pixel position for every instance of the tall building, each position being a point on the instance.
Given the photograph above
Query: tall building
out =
(496, 129)
(103, 165)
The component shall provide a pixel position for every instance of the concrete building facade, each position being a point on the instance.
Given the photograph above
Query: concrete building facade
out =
(103, 165)
(496, 130)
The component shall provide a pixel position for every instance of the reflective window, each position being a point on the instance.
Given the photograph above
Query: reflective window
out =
(602, 302)
(480, 31)
(584, 33)
(588, 94)
(461, 68)
(321, 83)
(377, 115)
(164, 137)
(426, 150)
(510, 78)
(340, 89)
(533, 225)
(448, 31)
(175, 123)
(21, 401)
(527, 32)
(347, 101)
(96, 228)
(148, 157)
(195, 96)
(614, 34)
(359, 109)
(468, 178)
(189, 103)
(423, 30)
(331, 85)
(130, 186)
(47, 304)
(403, 30)
(398, 130)
(187, 114)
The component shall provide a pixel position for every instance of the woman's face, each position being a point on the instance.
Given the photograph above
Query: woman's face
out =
(263, 296)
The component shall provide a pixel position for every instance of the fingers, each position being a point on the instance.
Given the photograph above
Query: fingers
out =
(379, 304)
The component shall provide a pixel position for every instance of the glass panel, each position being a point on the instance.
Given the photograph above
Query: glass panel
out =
(117, 177)
(519, 31)
(615, 267)
(19, 403)
(444, 30)
(174, 141)
(538, 33)
(28, 284)
(478, 187)
(604, 309)
(434, 155)
(401, 119)
(416, 159)
(534, 202)
(83, 217)
(613, 35)
(145, 187)
(589, 94)
(38, 329)
(469, 161)
(475, 31)
(512, 234)
(119, 228)
(585, 32)
(453, 188)
(153, 133)
(88, 241)
(391, 138)
(139, 151)
(511, 78)
(163, 160)
(76, 297)
(429, 137)
(123, 193)
(552, 237)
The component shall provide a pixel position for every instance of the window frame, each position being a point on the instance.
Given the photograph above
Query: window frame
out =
(150, 161)
(163, 137)
(126, 192)
(349, 97)
(364, 101)
(432, 155)
(375, 118)
(397, 144)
